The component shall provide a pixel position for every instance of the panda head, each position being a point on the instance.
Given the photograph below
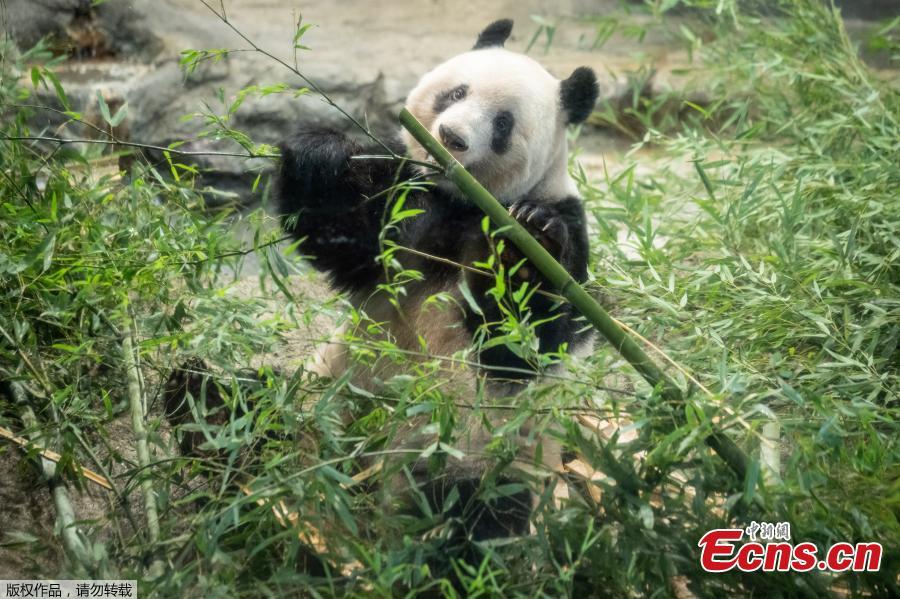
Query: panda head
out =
(503, 116)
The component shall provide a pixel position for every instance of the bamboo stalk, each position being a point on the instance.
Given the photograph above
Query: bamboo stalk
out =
(769, 452)
(76, 546)
(136, 401)
(566, 285)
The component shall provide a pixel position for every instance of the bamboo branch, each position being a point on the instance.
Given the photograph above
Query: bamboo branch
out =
(315, 87)
(769, 452)
(567, 286)
(130, 144)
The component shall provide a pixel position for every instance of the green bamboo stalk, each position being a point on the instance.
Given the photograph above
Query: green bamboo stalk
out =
(566, 285)
(136, 401)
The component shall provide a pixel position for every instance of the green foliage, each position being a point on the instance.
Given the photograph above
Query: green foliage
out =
(763, 259)
(88, 254)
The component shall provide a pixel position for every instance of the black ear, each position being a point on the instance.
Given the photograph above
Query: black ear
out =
(494, 34)
(579, 94)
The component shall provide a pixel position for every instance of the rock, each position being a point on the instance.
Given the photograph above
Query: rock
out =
(869, 9)
(82, 30)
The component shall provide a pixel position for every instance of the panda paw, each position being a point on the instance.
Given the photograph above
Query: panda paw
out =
(545, 224)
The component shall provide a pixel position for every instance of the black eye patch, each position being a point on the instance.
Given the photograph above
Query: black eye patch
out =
(502, 134)
(446, 98)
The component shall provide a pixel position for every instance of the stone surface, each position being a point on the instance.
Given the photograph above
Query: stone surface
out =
(110, 29)
(869, 9)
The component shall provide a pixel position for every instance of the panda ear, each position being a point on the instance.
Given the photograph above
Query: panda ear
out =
(579, 94)
(494, 34)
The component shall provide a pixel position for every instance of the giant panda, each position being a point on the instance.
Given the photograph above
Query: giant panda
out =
(504, 117)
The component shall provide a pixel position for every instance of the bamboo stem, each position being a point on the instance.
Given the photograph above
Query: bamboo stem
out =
(566, 285)
(136, 401)
(76, 546)
(769, 452)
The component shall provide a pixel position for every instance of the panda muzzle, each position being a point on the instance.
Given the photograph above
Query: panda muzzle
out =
(452, 140)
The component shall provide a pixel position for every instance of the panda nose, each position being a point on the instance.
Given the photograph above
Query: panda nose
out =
(452, 140)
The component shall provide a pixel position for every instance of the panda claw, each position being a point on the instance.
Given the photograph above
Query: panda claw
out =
(519, 210)
(547, 226)
(555, 228)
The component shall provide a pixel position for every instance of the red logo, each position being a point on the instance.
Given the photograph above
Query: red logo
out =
(720, 551)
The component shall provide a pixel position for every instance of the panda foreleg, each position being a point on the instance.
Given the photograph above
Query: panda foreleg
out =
(560, 226)
(330, 358)
(335, 203)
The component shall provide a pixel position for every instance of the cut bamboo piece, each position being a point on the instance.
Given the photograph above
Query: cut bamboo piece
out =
(51, 455)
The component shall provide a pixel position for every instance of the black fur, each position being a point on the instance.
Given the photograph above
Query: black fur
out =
(578, 94)
(323, 195)
(476, 517)
(494, 34)
(337, 206)
(503, 126)
(445, 99)
(560, 226)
